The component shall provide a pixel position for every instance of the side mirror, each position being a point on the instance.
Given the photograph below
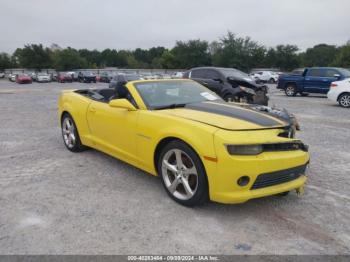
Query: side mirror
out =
(337, 76)
(122, 103)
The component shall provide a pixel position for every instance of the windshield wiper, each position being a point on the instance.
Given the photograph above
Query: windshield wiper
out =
(170, 106)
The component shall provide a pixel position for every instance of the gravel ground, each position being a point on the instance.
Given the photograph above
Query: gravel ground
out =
(56, 202)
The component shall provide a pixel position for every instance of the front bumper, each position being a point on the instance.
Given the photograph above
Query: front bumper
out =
(223, 177)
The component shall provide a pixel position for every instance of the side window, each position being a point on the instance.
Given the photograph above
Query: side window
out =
(314, 72)
(199, 73)
(330, 72)
(212, 74)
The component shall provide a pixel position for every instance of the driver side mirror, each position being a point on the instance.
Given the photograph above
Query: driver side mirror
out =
(337, 76)
(122, 103)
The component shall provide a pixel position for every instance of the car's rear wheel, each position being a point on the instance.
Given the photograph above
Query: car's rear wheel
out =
(290, 90)
(344, 100)
(183, 174)
(272, 81)
(70, 134)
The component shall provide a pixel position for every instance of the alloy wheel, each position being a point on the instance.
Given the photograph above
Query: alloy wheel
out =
(345, 100)
(179, 174)
(68, 131)
(290, 91)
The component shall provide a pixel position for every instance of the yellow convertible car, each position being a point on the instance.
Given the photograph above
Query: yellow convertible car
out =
(201, 147)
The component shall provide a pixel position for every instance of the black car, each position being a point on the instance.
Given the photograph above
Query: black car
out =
(230, 84)
(122, 79)
(86, 77)
(105, 77)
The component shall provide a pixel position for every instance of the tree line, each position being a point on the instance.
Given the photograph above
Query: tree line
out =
(228, 51)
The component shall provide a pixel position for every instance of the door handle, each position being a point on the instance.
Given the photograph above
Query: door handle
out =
(92, 109)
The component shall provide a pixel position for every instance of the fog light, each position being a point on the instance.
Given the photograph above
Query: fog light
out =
(243, 181)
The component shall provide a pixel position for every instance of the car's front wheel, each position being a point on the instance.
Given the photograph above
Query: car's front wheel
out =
(290, 90)
(70, 134)
(183, 174)
(344, 100)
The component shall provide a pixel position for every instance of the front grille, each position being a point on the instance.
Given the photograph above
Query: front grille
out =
(278, 177)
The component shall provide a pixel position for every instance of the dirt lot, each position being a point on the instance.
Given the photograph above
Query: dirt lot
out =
(56, 202)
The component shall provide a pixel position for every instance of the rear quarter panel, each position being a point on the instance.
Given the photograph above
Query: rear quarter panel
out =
(76, 105)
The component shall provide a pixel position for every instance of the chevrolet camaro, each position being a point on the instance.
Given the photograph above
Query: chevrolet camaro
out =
(201, 147)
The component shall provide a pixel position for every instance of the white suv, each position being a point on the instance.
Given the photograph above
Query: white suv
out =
(265, 76)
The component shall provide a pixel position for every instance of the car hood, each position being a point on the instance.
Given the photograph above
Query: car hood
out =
(226, 116)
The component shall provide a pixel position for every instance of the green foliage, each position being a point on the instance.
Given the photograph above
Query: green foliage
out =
(238, 52)
(33, 56)
(229, 51)
(68, 59)
(189, 54)
(5, 61)
(342, 58)
(285, 57)
(319, 55)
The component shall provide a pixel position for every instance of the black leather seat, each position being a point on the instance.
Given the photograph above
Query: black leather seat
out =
(107, 93)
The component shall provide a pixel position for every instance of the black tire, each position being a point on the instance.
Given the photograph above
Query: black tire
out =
(77, 146)
(272, 81)
(200, 193)
(344, 100)
(290, 90)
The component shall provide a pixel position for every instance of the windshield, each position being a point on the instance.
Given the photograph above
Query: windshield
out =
(345, 72)
(166, 93)
(231, 72)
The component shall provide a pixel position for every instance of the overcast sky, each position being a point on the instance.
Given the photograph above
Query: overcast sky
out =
(127, 24)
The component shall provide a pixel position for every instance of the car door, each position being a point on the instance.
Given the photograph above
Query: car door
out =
(313, 81)
(113, 130)
(328, 76)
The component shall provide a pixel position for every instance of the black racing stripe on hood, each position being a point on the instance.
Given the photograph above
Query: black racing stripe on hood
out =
(236, 112)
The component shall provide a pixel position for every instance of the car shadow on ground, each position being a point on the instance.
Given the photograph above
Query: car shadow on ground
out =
(153, 183)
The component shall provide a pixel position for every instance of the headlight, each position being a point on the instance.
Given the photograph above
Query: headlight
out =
(244, 149)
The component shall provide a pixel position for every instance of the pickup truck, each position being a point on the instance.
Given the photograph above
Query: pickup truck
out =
(311, 80)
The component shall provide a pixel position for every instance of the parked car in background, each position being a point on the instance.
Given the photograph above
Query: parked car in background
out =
(122, 79)
(63, 77)
(339, 92)
(53, 76)
(32, 75)
(105, 77)
(265, 76)
(230, 84)
(23, 79)
(177, 75)
(86, 77)
(43, 77)
(74, 75)
(311, 80)
(12, 77)
(2, 74)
